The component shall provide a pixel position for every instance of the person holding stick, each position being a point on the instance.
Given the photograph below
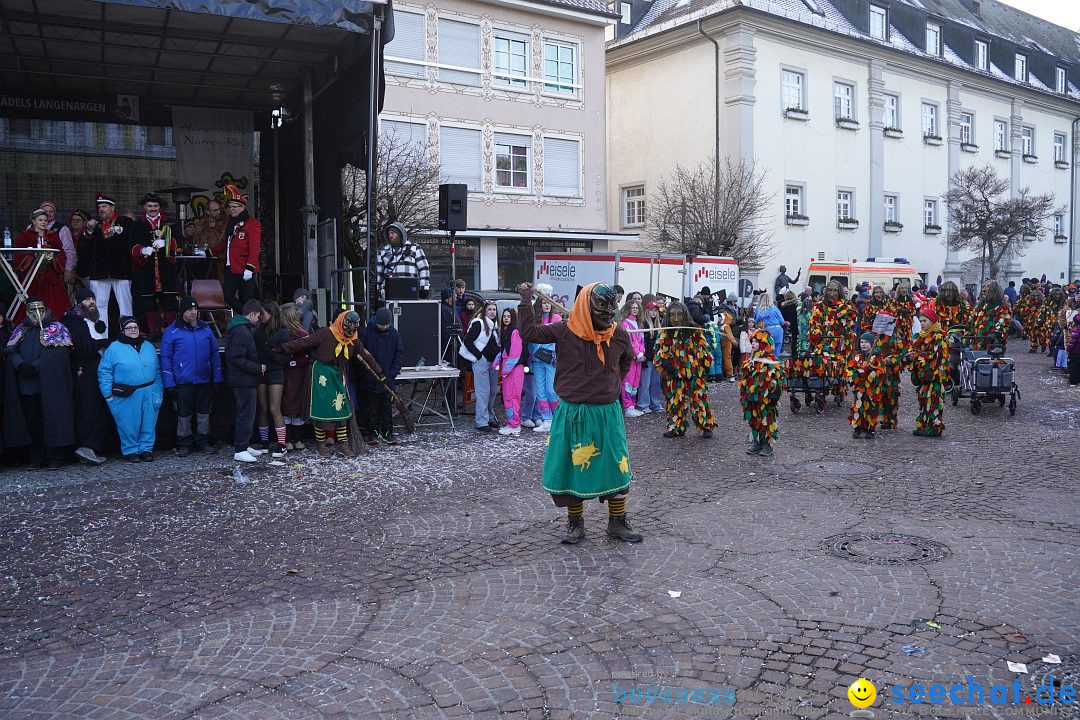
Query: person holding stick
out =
(587, 455)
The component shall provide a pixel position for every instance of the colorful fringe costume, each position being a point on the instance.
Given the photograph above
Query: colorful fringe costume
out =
(1045, 321)
(866, 376)
(890, 358)
(760, 388)
(990, 319)
(870, 311)
(684, 358)
(832, 324)
(952, 315)
(903, 309)
(1026, 308)
(929, 364)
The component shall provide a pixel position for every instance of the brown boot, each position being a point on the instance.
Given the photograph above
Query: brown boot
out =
(322, 449)
(345, 448)
(575, 531)
(619, 528)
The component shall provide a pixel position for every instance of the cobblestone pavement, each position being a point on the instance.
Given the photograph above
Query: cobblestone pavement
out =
(426, 580)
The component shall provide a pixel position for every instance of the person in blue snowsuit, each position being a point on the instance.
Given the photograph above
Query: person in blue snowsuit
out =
(768, 316)
(132, 361)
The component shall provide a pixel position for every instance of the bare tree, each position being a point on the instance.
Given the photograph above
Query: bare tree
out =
(983, 218)
(406, 191)
(712, 210)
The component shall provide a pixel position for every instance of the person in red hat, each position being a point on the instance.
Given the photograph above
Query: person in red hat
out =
(929, 363)
(105, 256)
(240, 247)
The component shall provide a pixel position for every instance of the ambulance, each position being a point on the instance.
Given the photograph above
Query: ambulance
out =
(882, 272)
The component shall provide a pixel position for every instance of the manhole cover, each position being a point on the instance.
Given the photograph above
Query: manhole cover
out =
(873, 548)
(837, 467)
(1053, 675)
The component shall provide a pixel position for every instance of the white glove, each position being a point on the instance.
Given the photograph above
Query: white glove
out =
(200, 252)
(148, 250)
(158, 244)
(641, 357)
(248, 275)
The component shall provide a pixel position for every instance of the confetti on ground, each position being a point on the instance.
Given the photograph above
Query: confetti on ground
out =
(1016, 667)
(1051, 658)
(910, 650)
(933, 625)
(674, 593)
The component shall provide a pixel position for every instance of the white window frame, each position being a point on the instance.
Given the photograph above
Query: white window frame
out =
(407, 60)
(877, 11)
(1061, 79)
(633, 206)
(1020, 69)
(967, 128)
(510, 142)
(933, 30)
(894, 110)
(1001, 135)
(1027, 140)
(1059, 147)
(930, 212)
(891, 207)
(794, 202)
(507, 77)
(1059, 224)
(624, 13)
(932, 116)
(982, 54)
(845, 204)
(839, 100)
(785, 86)
(559, 86)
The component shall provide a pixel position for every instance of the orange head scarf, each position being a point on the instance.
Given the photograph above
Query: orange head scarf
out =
(580, 322)
(338, 329)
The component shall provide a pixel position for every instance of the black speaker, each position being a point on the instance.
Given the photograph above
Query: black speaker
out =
(453, 206)
(420, 325)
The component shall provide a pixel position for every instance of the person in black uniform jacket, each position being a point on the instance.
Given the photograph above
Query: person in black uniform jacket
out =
(92, 416)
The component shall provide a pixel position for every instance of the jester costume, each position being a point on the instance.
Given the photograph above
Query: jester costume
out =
(902, 307)
(1027, 306)
(878, 303)
(992, 316)
(929, 363)
(587, 454)
(760, 387)
(952, 315)
(684, 358)
(1046, 321)
(866, 376)
(890, 359)
(832, 324)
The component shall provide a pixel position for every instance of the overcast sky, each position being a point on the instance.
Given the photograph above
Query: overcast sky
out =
(1060, 12)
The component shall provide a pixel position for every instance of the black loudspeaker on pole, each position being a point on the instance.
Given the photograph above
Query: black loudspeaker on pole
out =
(453, 206)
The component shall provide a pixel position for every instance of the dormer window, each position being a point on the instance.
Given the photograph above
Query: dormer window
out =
(933, 38)
(982, 55)
(624, 13)
(879, 23)
(1060, 84)
(1021, 68)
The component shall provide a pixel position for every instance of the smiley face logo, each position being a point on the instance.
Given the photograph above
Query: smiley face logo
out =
(862, 693)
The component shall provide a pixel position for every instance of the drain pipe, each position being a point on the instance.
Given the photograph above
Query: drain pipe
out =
(716, 119)
(1072, 211)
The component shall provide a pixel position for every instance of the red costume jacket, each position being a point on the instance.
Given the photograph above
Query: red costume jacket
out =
(242, 246)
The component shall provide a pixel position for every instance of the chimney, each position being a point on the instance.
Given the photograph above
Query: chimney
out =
(976, 6)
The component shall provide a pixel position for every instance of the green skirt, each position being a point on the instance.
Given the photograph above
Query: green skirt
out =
(587, 455)
(329, 397)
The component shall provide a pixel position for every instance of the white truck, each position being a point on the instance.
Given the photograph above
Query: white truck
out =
(676, 276)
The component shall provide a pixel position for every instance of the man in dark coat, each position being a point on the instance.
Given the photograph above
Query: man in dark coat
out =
(38, 390)
(153, 256)
(92, 416)
(105, 256)
(383, 341)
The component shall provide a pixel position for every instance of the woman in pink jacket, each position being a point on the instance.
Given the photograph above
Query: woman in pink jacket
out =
(511, 367)
(631, 315)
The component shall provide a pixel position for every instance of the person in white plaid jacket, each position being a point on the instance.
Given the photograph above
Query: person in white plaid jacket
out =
(402, 258)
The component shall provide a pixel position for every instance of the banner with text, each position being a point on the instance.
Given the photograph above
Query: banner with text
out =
(214, 148)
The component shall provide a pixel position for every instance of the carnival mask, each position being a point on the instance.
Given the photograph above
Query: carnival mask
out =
(36, 311)
(603, 304)
(350, 323)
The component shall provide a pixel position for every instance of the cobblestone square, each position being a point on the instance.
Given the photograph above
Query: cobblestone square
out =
(427, 580)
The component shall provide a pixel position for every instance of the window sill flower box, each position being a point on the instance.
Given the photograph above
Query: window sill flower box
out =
(969, 147)
(932, 229)
(1031, 159)
(892, 226)
(1061, 239)
(1002, 153)
(931, 139)
(797, 219)
(891, 132)
(795, 113)
(847, 223)
(1061, 165)
(845, 123)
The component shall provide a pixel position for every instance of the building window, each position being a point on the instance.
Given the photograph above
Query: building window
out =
(634, 205)
(792, 83)
(1021, 68)
(982, 55)
(892, 112)
(512, 161)
(879, 23)
(890, 208)
(511, 61)
(845, 208)
(459, 52)
(624, 13)
(562, 167)
(929, 120)
(1060, 83)
(930, 212)
(793, 201)
(460, 152)
(560, 67)
(405, 53)
(843, 101)
(403, 136)
(1001, 135)
(1058, 225)
(1027, 140)
(1059, 147)
(933, 38)
(967, 128)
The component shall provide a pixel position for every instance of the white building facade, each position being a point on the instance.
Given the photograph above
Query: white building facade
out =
(858, 119)
(507, 97)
